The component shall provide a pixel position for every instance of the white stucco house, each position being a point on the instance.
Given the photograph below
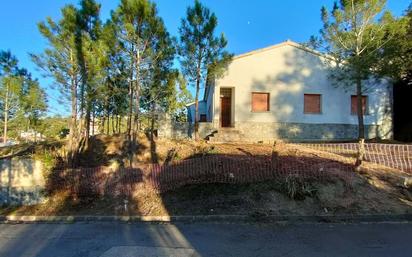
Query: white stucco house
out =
(285, 92)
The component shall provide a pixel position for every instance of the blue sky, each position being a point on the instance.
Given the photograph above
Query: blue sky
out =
(248, 25)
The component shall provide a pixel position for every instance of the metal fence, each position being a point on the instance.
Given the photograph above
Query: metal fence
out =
(230, 169)
(395, 156)
(235, 169)
(320, 162)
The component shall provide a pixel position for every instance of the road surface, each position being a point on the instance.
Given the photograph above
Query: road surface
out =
(205, 239)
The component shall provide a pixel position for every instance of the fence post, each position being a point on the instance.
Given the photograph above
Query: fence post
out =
(274, 157)
(360, 155)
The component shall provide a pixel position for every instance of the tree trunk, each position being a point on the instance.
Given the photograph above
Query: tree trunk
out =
(136, 116)
(130, 115)
(120, 124)
(197, 106)
(113, 124)
(101, 127)
(108, 124)
(137, 96)
(6, 114)
(73, 140)
(87, 124)
(131, 94)
(73, 134)
(93, 117)
(361, 126)
(117, 124)
(153, 151)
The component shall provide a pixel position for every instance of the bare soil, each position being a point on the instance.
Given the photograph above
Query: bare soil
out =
(375, 190)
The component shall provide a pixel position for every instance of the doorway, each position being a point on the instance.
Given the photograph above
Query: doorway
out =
(225, 107)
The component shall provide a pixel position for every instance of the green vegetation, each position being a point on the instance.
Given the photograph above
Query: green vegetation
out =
(118, 74)
(55, 127)
(365, 43)
(203, 55)
(297, 188)
(352, 35)
(22, 100)
(396, 55)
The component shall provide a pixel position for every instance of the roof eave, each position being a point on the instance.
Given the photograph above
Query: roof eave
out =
(285, 43)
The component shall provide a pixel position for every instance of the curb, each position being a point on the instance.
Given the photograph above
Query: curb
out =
(209, 218)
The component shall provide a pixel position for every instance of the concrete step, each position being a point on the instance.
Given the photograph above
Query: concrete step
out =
(226, 135)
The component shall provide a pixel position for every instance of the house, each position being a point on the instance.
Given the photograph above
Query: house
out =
(31, 136)
(285, 92)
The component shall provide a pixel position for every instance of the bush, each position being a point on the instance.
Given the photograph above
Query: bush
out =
(297, 188)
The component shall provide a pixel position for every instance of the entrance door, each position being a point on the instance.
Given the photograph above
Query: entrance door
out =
(226, 111)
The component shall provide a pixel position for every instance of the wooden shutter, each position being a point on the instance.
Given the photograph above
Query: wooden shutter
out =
(354, 104)
(312, 103)
(260, 102)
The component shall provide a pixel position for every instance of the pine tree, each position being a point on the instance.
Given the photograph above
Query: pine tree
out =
(395, 59)
(139, 28)
(60, 62)
(90, 54)
(33, 103)
(10, 88)
(202, 53)
(114, 99)
(22, 99)
(353, 34)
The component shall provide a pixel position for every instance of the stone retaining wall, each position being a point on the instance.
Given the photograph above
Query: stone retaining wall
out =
(21, 181)
(183, 130)
(269, 131)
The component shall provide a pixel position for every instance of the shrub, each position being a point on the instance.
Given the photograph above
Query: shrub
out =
(297, 188)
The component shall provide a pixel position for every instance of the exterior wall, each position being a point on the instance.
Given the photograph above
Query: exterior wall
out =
(287, 73)
(21, 181)
(270, 131)
(191, 111)
(182, 130)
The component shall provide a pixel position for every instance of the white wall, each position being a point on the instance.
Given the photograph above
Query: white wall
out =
(287, 73)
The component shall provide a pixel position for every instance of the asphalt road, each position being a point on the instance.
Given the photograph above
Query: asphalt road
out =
(205, 239)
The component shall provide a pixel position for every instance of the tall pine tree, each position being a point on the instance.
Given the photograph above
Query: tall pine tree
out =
(140, 30)
(202, 53)
(353, 34)
(60, 62)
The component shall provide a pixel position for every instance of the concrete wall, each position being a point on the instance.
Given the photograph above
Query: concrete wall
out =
(21, 181)
(183, 130)
(287, 72)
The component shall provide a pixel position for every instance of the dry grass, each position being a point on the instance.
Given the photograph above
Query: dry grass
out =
(266, 198)
(104, 149)
(377, 190)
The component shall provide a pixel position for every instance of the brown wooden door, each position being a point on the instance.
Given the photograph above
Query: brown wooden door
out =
(226, 111)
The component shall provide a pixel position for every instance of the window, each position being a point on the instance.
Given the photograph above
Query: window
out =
(312, 104)
(202, 118)
(354, 104)
(260, 102)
